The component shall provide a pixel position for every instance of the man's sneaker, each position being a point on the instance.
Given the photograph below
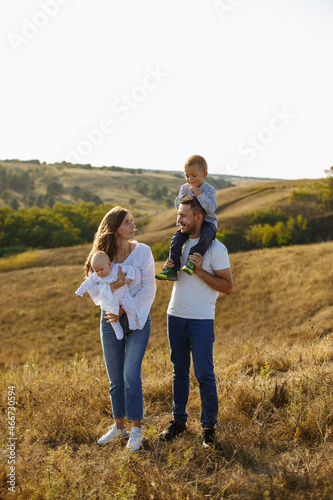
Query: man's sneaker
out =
(189, 268)
(112, 433)
(173, 430)
(167, 274)
(135, 440)
(208, 438)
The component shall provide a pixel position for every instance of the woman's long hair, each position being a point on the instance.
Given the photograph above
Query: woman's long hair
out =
(105, 238)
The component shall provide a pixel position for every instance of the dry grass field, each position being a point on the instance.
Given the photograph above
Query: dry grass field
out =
(274, 369)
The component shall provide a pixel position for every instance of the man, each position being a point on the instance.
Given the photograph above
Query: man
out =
(191, 315)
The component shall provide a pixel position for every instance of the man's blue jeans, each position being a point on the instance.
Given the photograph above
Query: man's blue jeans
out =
(196, 335)
(123, 360)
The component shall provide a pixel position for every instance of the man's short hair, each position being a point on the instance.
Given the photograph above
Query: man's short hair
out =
(195, 206)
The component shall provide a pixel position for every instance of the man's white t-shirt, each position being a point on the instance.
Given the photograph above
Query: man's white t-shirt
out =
(191, 298)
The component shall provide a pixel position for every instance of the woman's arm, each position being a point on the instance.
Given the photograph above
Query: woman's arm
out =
(143, 292)
(120, 281)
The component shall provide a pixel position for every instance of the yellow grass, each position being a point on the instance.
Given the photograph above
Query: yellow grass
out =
(274, 370)
(277, 292)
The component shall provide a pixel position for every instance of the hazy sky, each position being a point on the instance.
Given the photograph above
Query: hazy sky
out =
(246, 83)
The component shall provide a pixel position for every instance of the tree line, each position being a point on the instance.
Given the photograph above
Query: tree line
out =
(49, 227)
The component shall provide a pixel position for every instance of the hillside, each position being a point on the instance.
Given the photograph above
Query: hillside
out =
(293, 284)
(46, 206)
(26, 184)
(263, 204)
(234, 207)
(274, 370)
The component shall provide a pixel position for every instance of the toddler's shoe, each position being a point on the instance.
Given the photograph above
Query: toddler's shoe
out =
(167, 274)
(189, 268)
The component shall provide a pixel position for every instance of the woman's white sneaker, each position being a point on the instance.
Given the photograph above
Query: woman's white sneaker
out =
(112, 433)
(135, 440)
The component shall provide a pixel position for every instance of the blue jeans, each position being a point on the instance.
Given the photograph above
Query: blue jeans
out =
(196, 335)
(123, 360)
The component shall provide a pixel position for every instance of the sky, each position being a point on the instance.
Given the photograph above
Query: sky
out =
(245, 83)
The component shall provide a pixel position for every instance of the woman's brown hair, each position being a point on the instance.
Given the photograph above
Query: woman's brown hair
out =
(105, 238)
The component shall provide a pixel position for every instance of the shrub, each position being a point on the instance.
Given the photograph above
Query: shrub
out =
(233, 240)
(160, 251)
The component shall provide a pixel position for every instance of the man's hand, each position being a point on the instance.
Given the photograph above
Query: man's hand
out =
(168, 264)
(197, 260)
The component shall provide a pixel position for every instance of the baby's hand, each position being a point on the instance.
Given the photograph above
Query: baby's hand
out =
(187, 197)
(127, 281)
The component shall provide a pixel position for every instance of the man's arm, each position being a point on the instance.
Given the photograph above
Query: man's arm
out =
(221, 280)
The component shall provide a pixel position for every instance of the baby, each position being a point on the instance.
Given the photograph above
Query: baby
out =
(104, 274)
(195, 170)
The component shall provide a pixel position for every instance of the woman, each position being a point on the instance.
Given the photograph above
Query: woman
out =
(123, 358)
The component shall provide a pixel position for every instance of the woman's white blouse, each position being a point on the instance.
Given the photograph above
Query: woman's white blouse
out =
(143, 287)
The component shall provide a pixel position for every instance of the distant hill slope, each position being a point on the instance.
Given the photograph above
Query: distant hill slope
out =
(252, 215)
(280, 292)
(24, 184)
(237, 204)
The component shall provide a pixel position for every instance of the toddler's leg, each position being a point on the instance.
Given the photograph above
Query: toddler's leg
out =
(177, 241)
(207, 236)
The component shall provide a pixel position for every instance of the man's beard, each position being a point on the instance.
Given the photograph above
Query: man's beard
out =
(190, 229)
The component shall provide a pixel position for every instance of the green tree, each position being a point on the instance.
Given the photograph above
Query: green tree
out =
(14, 204)
(327, 192)
(54, 189)
(76, 192)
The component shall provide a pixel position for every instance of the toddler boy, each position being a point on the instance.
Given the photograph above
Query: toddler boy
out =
(196, 171)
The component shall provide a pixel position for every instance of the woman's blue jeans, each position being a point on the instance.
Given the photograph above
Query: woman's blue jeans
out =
(123, 360)
(196, 335)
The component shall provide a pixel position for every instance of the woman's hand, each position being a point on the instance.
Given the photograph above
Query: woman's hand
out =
(114, 318)
(120, 281)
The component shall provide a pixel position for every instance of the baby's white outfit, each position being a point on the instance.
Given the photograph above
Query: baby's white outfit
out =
(110, 301)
